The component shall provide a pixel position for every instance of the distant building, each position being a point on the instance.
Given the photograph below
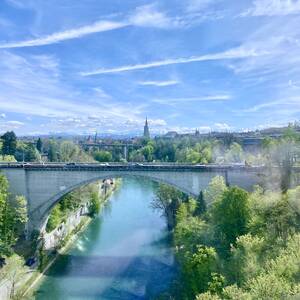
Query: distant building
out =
(171, 134)
(146, 130)
(197, 133)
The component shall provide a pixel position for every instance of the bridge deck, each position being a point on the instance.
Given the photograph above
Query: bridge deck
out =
(128, 167)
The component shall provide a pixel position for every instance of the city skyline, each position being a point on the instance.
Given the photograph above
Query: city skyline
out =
(212, 65)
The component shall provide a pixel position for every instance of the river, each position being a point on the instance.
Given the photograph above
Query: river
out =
(124, 253)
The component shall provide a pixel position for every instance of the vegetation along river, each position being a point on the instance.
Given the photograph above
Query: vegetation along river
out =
(124, 253)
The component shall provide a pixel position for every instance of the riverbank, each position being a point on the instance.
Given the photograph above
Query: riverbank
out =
(24, 279)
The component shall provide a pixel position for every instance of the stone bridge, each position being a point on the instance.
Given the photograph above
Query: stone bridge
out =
(44, 184)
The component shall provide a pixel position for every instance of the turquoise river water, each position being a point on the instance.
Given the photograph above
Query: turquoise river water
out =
(124, 253)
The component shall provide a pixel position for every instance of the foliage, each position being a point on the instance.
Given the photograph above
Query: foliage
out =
(201, 204)
(234, 154)
(54, 218)
(168, 200)
(72, 202)
(255, 239)
(94, 204)
(102, 156)
(13, 273)
(13, 217)
(198, 268)
(189, 233)
(283, 152)
(7, 158)
(70, 152)
(215, 190)
(39, 145)
(9, 143)
(26, 152)
(231, 216)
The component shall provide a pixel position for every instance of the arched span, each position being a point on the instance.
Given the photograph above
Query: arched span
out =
(54, 200)
(43, 185)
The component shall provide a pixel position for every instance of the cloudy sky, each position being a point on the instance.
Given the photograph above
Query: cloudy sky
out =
(104, 65)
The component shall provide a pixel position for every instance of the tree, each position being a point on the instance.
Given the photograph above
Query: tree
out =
(26, 152)
(147, 151)
(52, 151)
(201, 204)
(54, 218)
(13, 216)
(21, 214)
(247, 257)
(215, 190)
(39, 145)
(189, 231)
(7, 158)
(13, 273)
(231, 215)
(103, 156)
(198, 269)
(168, 200)
(94, 204)
(283, 153)
(235, 153)
(9, 145)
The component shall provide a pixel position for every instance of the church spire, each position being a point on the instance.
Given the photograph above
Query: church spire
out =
(146, 130)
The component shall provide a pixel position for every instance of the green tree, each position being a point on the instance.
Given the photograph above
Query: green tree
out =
(39, 145)
(231, 216)
(168, 200)
(102, 156)
(52, 151)
(235, 153)
(201, 204)
(198, 269)
(54, 219)
(147, 151)
(10, 218)
(7, 158)
(13, 273)
(26, 152)
(94, 204)
(9, 145)
(215, 190)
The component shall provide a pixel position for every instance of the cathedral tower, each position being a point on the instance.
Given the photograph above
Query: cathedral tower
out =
(146, 130)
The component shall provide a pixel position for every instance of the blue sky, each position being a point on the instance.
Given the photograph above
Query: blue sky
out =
(85, 66)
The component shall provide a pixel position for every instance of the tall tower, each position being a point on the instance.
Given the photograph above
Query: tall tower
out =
(146, 130)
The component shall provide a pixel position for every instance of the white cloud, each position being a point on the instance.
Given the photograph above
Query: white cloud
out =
(273, 8)
(204, 129)
(148, 16)
(34, 90)
(3, 116)
(57, 37)
(10, 125)
(293, 103)
(235, 53)
(173, 101)
(15, 123)
(159, 83)
(222, 127)
(144, 16)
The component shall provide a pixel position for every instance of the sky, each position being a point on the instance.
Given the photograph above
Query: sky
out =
(78, 67)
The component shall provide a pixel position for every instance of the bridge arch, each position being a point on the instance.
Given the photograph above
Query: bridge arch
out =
(55, 199)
